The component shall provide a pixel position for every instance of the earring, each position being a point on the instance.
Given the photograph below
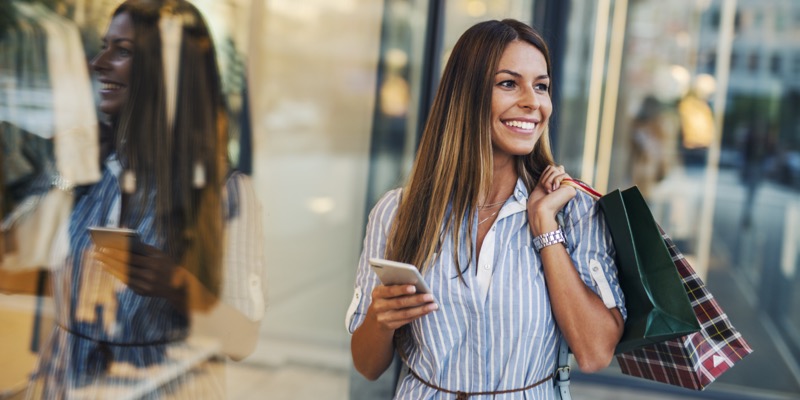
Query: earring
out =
(128, 182)
(199, 179)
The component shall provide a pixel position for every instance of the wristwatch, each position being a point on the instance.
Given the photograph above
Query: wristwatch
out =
(548, 239)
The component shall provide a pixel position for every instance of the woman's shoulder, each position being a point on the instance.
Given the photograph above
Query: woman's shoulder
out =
(239, 192)
(393, 195)
(581, 206)
(388, 203)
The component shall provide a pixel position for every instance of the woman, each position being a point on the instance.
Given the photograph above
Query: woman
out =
(123, 311)
(478, 216)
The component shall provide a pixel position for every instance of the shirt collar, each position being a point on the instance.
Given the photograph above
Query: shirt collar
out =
(521, 201)
(113, 165)
(521, 192)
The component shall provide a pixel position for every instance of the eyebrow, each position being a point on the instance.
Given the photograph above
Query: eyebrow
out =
(518, 75)
(118, 40)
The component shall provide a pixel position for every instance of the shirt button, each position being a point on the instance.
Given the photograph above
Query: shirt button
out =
(595, 269)
(493, 228)
(487, 266)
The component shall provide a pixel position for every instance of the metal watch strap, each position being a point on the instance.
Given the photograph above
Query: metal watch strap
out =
(548, 239)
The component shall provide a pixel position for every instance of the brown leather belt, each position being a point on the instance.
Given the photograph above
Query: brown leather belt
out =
(465, 395)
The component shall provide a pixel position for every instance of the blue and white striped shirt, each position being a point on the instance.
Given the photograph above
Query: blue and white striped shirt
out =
(498, 331)
(100, 320)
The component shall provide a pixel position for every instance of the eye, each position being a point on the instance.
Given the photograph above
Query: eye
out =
(508, 84)
(123, 52)
(541, 87)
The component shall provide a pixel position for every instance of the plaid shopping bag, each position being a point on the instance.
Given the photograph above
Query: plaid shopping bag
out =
(695, 360)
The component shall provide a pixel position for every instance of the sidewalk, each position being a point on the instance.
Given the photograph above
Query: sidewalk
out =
(297, 382)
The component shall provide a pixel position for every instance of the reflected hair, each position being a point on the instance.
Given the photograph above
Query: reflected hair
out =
(453, 167)
(164, 156)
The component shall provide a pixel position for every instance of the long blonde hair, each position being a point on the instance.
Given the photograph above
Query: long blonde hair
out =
(454, 161)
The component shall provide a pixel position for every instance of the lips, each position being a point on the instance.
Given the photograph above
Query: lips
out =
(111, 86)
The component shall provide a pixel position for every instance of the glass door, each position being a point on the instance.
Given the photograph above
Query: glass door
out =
(689, 101)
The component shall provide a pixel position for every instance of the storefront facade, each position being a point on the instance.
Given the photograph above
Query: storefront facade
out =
(694, 101)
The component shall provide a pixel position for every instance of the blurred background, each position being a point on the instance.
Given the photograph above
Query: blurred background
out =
(694, 101)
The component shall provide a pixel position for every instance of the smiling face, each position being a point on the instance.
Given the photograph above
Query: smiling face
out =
(521, 103)
(112, 65)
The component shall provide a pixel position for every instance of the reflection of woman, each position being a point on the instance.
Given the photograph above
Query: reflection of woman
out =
(478, 216)
(166, 179)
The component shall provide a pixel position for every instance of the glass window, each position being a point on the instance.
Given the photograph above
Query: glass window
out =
(734, 64)
(741, 189)
(775, 64)
(752, 62)
(461, 14)
(780, 19)
(325, 102)
(796, 63)
(313, 74)
(397, 102)
(575, 80)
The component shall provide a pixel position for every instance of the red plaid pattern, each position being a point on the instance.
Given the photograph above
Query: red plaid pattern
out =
(695, 360)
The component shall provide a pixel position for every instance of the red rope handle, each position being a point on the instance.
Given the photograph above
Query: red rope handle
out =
(582, 186)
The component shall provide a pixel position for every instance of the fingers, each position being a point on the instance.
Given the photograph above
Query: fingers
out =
(550, 195)
(552, 176)
(385, 292)
(394, 319)
(146, 275)
(155, 261)
(397, 305)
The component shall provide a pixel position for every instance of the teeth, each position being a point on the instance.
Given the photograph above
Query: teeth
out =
(521, 124)
(111, 86)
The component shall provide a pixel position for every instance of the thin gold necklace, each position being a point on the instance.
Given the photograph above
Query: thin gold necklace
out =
(483, 207)
(487, 218)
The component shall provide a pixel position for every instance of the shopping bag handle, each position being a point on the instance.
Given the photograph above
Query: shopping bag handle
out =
(582, 186)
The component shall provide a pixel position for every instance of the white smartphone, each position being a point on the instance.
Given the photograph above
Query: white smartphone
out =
(117, 238)
(397, 273)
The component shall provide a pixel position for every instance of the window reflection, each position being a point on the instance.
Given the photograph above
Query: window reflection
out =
(328, 90)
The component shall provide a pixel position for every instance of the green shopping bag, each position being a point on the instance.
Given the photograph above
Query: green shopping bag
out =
(657, 303)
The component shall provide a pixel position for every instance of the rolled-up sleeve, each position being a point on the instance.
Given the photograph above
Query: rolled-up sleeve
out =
(245, 275)
(380, 220)
(592, 250)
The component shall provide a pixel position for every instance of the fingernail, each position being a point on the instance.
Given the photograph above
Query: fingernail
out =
(427, 297)
(411, 289)
(434, 307)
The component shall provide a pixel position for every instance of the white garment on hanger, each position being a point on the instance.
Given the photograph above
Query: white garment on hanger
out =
(77, 146)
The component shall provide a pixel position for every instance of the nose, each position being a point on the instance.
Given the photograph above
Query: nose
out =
(99, 62)
(528, 99)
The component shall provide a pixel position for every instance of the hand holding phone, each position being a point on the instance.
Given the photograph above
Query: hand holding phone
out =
(146, 269)
(397, 273)
(393, 304)
(117, 244)
(116, 238)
